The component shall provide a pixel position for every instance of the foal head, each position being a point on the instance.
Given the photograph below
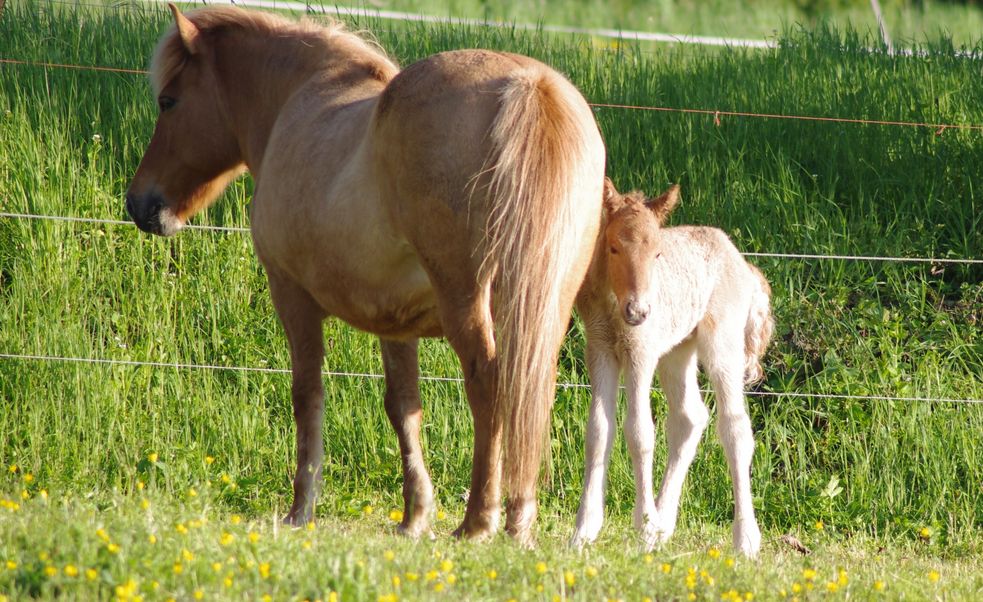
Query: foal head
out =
(193, 154)
(632, 243)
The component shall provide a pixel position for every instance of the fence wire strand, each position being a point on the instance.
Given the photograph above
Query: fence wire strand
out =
(448, 379)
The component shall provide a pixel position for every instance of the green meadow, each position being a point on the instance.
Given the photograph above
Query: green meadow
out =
(120, 479)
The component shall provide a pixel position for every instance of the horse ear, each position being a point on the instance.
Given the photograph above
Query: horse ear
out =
(663, 204)
(612, 200)
(186, 29)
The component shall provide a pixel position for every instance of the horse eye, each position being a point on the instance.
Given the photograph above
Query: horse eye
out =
(166, 102)
(614, 251)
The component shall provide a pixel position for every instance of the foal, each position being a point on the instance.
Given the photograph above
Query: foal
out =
(666, 297)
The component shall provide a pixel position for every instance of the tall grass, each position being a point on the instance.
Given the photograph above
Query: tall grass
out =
(70, 139)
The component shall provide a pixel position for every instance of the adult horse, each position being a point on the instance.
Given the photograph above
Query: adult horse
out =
(459, 197)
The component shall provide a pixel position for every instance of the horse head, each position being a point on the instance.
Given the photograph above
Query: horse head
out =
(632, 244)
(193, 153)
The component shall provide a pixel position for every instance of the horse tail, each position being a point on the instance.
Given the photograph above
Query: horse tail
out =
(759, 328)
(546, 168)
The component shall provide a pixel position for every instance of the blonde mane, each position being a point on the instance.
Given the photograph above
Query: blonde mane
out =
(170, 55)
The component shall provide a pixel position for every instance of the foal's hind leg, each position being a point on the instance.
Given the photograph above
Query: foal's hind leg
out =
(687, 419)
(402, 369)
(301, 318)
(722, 351)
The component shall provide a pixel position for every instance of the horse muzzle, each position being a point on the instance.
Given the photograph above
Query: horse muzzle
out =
(634, 312)
(151, 215)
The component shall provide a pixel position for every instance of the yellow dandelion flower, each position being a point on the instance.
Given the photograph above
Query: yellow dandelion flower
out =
(832, 587)
(227, 582)
(713, 553)
(226, 479)
(253, 537)
(396, 516)
(649, 558)
(12, 468)
(152, 457)
(691, 596)
(71, 570)
(934, 576)
(43, 493)
(25, 495)
(666, 568)
(28, 477)
(446, 566)
(492, 574)
(209, 460)
(925, 533)
(50, 571)
(396, 581)
(646, 599)
(264, 570)
(729, 562)
(235, 519)
(91, 574)
(178, 568)
(842, 578)
(441, 515)
(539, 588)
(411, 576)
(748, 596)
(187, 555)
(307, 544)
(311, 526)
(819, 525)
(140, 485)
(217, 566)
(192, 492)
(367, 510)
(152, 539)
(112, 548)
(180, 528)
(569, 578)
(879, 586)
(267, 598)
(333, 597)
(199, 594)
(144, 504)
(590, 571)
(101, 534)
(796, 588)
(11, 565)
(389, 555)
(809, 574)
(451, 579)
(541, 567)
(431, 575)
(155, 585)
(226, 538)
(438, 587)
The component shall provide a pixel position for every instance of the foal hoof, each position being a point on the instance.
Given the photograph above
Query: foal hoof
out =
(747, 539)
(416, 531)
(654, 535)
(296, 520)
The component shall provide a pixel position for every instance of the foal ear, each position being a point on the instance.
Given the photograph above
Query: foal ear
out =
(612, 200)
(663, 204)
(186, 29)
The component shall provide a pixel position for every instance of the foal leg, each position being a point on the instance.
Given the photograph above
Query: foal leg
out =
(301, 318)
(640, 436)
(723, 350)
(686, 421)
(401, 363)
(601, 424)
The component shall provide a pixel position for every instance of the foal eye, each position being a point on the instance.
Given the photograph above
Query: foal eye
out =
(614, 251)
(166, 102)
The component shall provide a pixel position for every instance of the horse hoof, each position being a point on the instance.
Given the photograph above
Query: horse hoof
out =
(415, 531)
(579, 541)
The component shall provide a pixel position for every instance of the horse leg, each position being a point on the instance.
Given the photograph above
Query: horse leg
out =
(604, 373)
(401, 363)
(301, 318)
(640, 436)
(723, 351)
(687, 419)
(468, 326)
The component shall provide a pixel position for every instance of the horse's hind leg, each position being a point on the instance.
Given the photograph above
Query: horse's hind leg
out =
(468, 326)
(687, 419)
(301, 318)
(722, 351)
(401, 363)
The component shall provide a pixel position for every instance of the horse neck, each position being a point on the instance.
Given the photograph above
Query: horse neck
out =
(259, 75)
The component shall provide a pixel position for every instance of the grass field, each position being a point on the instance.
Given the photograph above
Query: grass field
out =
(900, 475)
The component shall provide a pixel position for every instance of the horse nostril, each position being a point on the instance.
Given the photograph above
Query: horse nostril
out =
(636, 312)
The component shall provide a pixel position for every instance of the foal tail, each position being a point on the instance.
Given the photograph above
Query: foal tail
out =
(547, 169)
(759, 328)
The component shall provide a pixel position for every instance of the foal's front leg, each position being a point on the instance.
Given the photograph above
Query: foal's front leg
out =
(604, 372)
(302, 318)
(640, 434)
(401, 363)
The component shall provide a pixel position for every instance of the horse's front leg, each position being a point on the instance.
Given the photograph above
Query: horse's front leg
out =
(302, 318)
(604, 373)
(401, 363)
(640, 434)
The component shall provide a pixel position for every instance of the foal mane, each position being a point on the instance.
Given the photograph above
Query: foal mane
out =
(170, 55)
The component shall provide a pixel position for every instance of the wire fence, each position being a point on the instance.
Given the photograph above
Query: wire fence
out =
(939, 128)
(451, 379)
